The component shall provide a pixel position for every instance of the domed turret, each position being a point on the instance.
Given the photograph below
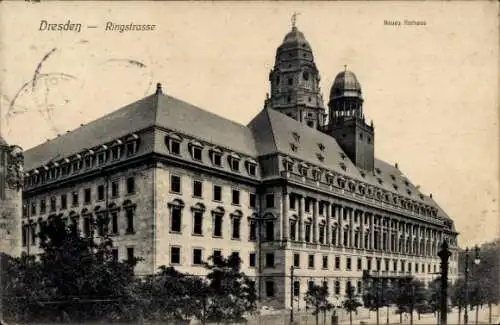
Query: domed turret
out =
(345, 84)
(347, 121)
(345, 96)
(295, 79)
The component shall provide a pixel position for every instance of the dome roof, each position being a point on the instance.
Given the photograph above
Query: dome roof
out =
(346, 84)
(295, 38)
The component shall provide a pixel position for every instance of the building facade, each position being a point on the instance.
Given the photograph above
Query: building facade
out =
(292, 189)
(11, 181)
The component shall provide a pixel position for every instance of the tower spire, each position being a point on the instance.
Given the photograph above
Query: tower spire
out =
(294, 19)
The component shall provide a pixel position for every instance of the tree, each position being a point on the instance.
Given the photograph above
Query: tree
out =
(457, 295)
(232, 293)
(317, 297)
(351, 302)
(74, 277)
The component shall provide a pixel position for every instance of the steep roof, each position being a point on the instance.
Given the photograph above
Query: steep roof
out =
(154, 110)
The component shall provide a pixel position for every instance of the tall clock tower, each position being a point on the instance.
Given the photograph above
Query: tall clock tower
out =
(294, 81)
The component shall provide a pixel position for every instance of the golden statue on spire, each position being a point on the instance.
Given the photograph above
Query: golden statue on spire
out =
(294, 18)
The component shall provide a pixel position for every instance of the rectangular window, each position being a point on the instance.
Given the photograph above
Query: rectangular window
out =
(175, 147)
(235, 164)
(53, 204)
(296, 288)
(218, 225)
(337, 262)
(296, 260)
(251, 260)
(217, 253)
(43, 206)
(269, 260)
(114, 222)
(198, 223)
(269, 200)
(64, 202)
(175, 222)
(217, 193)
(251, 169)
(197, 256)
(115, 189)
(236, 197)
(310, 263)
(252, 200)
(115, 153)
(236, 228)
(325, 262)
(130, 185)
(74, 199)
(33, 208)
(197, 189)
(114, 254)
(175, 184)
(131, 148)
(359, 264)
(130, 254)
(86, 227)
(269, 288)
(348, 263)
(100, 192)
(130, 220)
(175, 255)
(369, 264)
(87, 196)
(217, 159)
(269, 230)
(253, 230)
(292, 202)
(197, 153)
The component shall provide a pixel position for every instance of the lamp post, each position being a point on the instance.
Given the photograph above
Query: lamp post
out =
(466, 282)
(291, 294)
(444, 254)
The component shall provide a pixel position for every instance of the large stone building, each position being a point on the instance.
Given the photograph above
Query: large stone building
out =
(293, 188)
(11, 181)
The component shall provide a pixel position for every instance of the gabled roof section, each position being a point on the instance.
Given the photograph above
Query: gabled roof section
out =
(128, 119)
(177, 115)
(154, 110)
(275, 132)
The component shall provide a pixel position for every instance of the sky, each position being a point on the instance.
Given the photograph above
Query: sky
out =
(432, 91)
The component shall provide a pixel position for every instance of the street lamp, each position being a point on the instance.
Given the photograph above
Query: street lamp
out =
(291, 294)
(444, 254)
(477, 260)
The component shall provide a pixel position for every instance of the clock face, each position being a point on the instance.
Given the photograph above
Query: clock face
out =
(69, 86)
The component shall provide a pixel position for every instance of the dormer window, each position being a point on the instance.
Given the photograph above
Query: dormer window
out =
(393, 177)
(65, 167)
(216, 156)
(352, 187)
(329, 178)
(303, 169)
(89, 159)
(395, 186)
(409, 192)
(293, 146)
(340, 182)
(76, 165)
(234, 162)
(288, 164)
(296, 136)
(320, 157)
(363, 174)
(407, 183)
(132, 144)
(102, 155)
(343, 166)
(342, 155)
(316, 174)
(378, 170)
(116, 150)
(196, 150)
(173, 143)
(251, 167)
(380, 181)
(321, 146)
(362, 189)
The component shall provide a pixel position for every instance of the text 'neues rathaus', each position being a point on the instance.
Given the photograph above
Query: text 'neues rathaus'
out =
(298, 186)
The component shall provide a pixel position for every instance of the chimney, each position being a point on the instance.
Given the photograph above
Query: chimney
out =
(396, 165)
(430, 195)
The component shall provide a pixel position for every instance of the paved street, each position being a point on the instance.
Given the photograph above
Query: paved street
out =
(429, 319)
